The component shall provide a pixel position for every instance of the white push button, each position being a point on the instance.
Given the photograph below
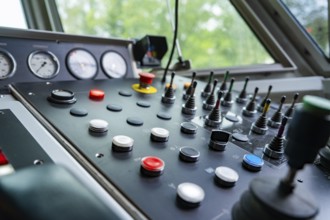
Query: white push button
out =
(122, 143)
(98, 125)
(190, 194)
(159, 134)
(226, 176)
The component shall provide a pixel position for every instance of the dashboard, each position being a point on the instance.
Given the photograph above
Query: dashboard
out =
(141, 147)
(31, 56)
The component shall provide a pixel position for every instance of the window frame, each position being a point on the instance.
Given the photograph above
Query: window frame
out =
(302, 49)
(42, 15)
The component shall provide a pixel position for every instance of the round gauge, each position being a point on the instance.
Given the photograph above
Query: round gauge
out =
(7, 65)
(113, 64)
(81, 64)
(43, 64)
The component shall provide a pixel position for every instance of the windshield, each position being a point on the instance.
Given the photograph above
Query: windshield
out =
(313, 17)
(211, 33)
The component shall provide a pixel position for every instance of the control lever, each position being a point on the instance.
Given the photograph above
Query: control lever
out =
(308, 132)
(269, 198)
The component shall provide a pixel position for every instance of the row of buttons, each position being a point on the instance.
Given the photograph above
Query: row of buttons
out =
(188, 194)
(154, 166)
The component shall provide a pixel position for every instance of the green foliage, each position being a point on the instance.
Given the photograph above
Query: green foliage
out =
(211, 33)
(313, 16)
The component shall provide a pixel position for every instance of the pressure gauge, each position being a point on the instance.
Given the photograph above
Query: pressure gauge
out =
(81, 64)
(113, 64)
(43, 64)
(7, 65)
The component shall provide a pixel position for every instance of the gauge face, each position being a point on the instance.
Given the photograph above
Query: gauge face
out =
(7, 65)
(43, 64)
(113, 64)
(81, 64)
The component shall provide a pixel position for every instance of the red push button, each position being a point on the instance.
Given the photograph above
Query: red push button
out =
(152, 163)
(96, 94)
(152, 166)
(146, 79)
(144, 85)
(3, 158)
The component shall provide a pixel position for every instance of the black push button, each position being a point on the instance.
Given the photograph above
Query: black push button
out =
(79, 112)
(61, 96)
(240, 137)
(114, 108)
(188, 128)
(125, 93)
(164, 116)
(189, 154)
(143, 104)
(134, 121)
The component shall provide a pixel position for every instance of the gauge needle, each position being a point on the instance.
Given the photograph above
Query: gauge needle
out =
(42, 65)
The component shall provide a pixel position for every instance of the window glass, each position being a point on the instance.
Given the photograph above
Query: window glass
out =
(11, 14)
(211, 33)
(313, 16)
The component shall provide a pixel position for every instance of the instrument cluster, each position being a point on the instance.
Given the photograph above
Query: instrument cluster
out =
(27, 56)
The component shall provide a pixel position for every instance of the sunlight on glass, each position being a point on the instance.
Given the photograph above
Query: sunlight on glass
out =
(211, 34)
(313, 16)
(12, 15)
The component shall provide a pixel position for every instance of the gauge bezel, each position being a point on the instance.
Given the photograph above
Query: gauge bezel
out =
(54, 59)
(108, 73)
(73, 72)
(13, 64)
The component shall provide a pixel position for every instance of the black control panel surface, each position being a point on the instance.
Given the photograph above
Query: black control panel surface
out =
(135, 115)
(20, 148)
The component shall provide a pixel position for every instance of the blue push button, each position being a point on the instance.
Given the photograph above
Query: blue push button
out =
(252, 162)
